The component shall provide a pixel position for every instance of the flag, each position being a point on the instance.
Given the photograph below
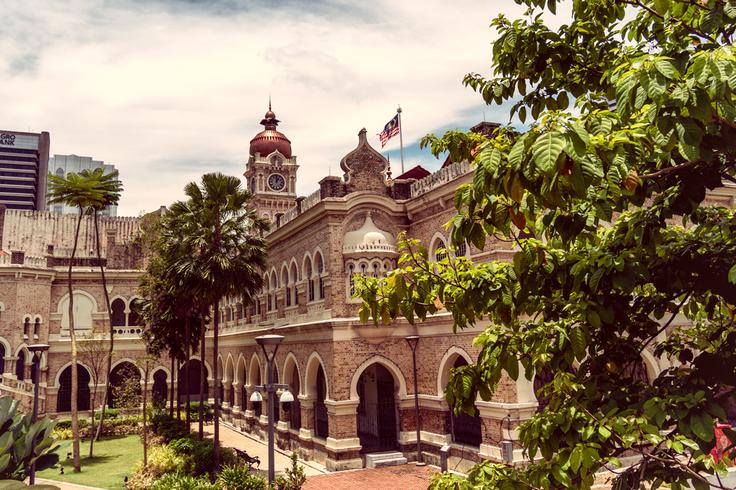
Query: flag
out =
(390, 130)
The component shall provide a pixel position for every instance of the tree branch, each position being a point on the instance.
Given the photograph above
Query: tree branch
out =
(669, 170)
(691, 29)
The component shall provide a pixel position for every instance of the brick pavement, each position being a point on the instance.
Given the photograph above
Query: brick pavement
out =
(404, 477)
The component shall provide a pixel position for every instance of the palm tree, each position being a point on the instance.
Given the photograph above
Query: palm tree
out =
(107, 188)
(80, 192)
(227, 253)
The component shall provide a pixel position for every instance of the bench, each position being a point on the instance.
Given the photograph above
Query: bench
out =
(248, 459)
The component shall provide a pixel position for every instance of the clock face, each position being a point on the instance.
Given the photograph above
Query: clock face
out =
(276, 182)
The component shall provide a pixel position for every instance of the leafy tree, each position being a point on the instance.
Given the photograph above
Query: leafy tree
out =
(93, 351)
(606, 206)
(226, 252)
(169, 300)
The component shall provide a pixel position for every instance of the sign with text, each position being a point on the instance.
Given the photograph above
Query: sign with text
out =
(18, 140)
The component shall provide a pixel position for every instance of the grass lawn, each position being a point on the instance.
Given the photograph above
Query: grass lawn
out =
(115, 457)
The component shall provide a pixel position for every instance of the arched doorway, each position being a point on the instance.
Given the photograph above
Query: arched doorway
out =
(125, 386)
(20, 365)
(466, 429)
(255, 380)
(291, 376)
(64, 396)
(377, 427)
(189, 379)
(321, 425)
(159, 390)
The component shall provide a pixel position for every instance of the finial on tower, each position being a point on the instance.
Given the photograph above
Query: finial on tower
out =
(269, 102)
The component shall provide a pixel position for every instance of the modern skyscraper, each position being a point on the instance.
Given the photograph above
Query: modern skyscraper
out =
(24, 161)
(62, 165)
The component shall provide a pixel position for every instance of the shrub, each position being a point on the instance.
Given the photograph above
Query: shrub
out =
(177, 481)
(294, 477)
(61, 434)
(110, 413)
(239, 478)
(168, 427)
(163, 459)
(16, 432)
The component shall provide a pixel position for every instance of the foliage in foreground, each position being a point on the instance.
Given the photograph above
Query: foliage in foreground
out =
(652, 130)
(17, 436)
(16, 485)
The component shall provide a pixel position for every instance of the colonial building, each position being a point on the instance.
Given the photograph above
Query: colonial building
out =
(353, 382)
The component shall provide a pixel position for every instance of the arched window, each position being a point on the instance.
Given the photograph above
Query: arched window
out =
(466, 429)
(321, 271)
(439, 250)
(351, 278)
(26, 327)
(461, 250)
(2, 359)
(310, 281)
(294, 279)
(118, 313)
(36, 328)
(134, 315)
(287, 286)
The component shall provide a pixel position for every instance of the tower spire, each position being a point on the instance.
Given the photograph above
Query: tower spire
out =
(269, 102)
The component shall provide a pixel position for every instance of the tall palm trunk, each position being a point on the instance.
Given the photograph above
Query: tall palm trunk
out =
(178, 397)
(171, 390)
(112, 331)
(188, 371)
(73, 337)
(216, 376)
(202, 385)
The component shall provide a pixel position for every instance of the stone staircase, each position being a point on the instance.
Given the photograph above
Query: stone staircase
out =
(387, 458)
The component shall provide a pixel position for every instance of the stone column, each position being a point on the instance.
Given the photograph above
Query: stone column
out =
(10, 366)
(343, 445)
(306, 405)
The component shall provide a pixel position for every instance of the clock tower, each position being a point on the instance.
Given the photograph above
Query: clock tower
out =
(271, 170)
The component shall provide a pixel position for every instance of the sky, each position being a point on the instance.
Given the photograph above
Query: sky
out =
(167, 90)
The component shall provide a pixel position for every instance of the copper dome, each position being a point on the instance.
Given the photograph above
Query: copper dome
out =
(270, 139)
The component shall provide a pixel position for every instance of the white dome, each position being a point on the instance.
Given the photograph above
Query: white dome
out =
(369, 238)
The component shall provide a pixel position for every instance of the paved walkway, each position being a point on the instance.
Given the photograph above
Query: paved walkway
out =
(255, 447)
(63, 485)
(405, 477)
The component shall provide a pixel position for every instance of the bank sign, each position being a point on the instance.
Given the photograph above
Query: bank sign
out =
(17, 140)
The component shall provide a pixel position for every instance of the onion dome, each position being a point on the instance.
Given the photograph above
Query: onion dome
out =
(369, 238)
(270, 140)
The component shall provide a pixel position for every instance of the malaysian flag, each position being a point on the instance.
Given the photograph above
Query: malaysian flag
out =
(390, 130)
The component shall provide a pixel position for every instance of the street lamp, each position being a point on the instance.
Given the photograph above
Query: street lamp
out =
(37, 350)
(269, 345)
(413, 340)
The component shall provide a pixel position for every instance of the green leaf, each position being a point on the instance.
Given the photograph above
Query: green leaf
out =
(732, 274)
(666, 68)
(702, 426)
(546, 150)
(576, 457)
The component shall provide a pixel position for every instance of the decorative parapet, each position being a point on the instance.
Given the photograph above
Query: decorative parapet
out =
(306, 203)
(369, 247)
(22, 261)
(440, 177)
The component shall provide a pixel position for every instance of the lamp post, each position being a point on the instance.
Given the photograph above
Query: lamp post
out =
(413, 340)
(270, 345)
(37, 350)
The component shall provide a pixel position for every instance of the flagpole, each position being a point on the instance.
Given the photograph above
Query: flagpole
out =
(401, 139)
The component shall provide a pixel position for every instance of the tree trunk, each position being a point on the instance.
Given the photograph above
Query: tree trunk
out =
(216, 377)
(188, 368)
(73, 337)
(92, 419)
(145, 418)
(178, 398)
(112, 330)
(202, 385)
(171, 390)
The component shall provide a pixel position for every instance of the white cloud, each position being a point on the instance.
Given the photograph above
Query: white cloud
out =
(169, 90)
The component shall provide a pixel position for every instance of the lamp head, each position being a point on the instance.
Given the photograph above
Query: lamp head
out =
(38, 348)
(270, 339)
(256, 397)
(286, 397)
(413, 340)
